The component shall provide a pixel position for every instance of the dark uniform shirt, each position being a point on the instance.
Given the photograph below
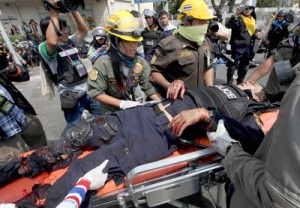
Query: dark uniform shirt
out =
(175, 58)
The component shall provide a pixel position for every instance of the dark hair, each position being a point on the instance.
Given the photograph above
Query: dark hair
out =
(45, 22)
(262, 95)
(135, 13)
(162, 12)
(116, 62)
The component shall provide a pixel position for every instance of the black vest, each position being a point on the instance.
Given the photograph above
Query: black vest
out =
(226, 100)
(65, 72)
(17, 96)
(149, 38)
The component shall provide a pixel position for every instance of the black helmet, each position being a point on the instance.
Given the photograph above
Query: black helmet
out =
(150, 13)
(282, 13)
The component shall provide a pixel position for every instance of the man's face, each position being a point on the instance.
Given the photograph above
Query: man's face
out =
(253, 86)
(164, 20)
(149, 21)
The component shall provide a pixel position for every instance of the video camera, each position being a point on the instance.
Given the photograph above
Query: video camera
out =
(65, 6)
(213, 26)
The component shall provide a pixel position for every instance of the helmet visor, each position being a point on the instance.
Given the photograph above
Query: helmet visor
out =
(149, 13)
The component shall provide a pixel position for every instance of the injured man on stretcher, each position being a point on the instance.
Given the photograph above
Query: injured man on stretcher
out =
(144, 134)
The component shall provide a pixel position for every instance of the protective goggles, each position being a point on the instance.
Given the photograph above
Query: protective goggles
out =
(149, 13)
(135, 34)
(99, 38)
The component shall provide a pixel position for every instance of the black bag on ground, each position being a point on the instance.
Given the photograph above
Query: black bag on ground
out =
(68, 100)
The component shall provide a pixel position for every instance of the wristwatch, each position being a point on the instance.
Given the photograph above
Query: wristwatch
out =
(210, 124)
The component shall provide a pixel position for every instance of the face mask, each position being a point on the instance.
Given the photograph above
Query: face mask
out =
(193, 33)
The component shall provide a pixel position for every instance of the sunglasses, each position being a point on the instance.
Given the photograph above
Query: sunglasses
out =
(249, 8)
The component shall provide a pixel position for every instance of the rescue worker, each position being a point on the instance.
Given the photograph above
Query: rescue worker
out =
(120, 78)
(278, 32)
(140, 135)
(62, 64)
(287, 50)
(99, 46)
(243, 31)
(184, 58)
(270, 178)
(20, 128)
(151, 33)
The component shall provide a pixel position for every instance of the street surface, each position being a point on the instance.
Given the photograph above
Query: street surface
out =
(52, 118)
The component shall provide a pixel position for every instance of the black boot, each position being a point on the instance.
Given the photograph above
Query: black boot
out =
(230, 73)
(242, 71)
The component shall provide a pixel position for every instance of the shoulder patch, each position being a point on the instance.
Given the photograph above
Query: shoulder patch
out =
(138, 68)
(93, 74)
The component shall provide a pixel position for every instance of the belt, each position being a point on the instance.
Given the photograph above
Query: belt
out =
(160, 108)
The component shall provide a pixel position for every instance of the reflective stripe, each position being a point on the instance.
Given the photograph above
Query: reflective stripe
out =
(67, 52)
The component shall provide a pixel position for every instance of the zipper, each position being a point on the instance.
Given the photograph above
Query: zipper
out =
(288, 199)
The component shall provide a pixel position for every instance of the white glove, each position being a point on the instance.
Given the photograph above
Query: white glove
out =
(220, 140)
(7, 205)
(128, 104)
(96, 176)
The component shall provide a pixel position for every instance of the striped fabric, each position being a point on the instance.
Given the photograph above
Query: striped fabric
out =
(76, 195)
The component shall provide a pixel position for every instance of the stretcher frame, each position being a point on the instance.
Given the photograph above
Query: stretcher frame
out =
(170, 187)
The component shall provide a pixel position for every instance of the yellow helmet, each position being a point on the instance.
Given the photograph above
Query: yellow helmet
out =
(194, 8)
(125, 26)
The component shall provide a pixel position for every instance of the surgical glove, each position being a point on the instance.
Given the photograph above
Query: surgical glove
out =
(220, 140)
(96, 176)
(7, 205)
(128, 104)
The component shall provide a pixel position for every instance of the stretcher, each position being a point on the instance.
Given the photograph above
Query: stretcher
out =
(179, 175)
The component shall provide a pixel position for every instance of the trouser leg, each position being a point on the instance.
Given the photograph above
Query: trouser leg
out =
(33, 133)
(230, 73)
(242, 71)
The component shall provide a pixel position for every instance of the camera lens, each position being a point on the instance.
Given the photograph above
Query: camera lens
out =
(71, 5)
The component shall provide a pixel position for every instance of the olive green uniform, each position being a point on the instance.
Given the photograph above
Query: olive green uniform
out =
(175, 58)
(101, 80)
(283, 52)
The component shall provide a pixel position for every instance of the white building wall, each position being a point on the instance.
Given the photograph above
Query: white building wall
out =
(14, 14)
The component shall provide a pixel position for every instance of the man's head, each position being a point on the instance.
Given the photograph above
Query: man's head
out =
(150, 17)
(194, 12)
(64, 29)
(257, 90)
(163, 18)
(194, 16)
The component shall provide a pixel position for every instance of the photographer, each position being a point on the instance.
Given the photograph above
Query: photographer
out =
(61, 62)
(217, 34)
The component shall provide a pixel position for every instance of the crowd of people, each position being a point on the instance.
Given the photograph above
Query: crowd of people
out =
(149, 86)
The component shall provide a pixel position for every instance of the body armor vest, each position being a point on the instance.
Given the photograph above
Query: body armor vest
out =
(227, 100)
(66, 74)
(149, 38)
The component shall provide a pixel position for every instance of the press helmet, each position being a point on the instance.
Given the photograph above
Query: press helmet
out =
(99, 32)
(282, 13)
(150, 13)
(194, 8)
(124, 25)
(249, 3)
